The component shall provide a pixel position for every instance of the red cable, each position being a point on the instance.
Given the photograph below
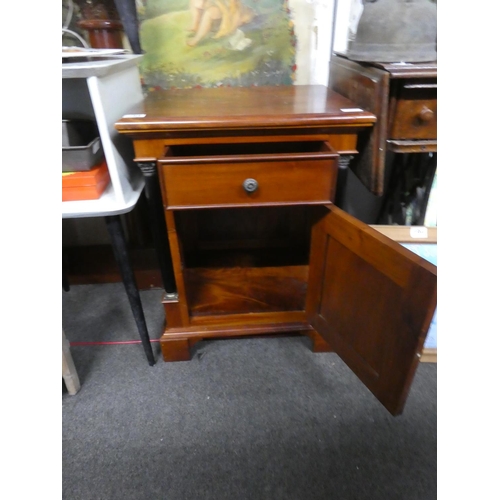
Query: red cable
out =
(117, 342)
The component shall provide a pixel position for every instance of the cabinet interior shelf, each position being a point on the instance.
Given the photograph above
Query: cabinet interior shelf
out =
(237, 290)
(246, 260)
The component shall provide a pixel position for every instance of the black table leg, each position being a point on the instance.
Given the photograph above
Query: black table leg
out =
(405, 202)
(121, 255)
(158, 227)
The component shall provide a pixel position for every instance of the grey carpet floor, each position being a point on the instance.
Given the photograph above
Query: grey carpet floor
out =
(258, 418)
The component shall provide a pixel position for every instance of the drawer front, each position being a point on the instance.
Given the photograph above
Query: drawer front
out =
(415, 115)
(237, 180)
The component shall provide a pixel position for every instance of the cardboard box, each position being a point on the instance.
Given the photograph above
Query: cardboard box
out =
(85, 185)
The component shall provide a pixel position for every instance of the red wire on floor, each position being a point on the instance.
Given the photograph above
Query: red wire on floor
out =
(117, 342)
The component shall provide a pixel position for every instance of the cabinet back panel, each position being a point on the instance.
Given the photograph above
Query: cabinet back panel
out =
(243, 290)
(245, 236)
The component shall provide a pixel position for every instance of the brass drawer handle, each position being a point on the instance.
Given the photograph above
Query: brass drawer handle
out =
(425, 114)
(250, 185)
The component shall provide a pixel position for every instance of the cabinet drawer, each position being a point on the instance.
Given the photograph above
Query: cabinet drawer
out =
(415, 114)
(218, 175)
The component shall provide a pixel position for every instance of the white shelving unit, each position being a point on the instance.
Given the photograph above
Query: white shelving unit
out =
(103, 90)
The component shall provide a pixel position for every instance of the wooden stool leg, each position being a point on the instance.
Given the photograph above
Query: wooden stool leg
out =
(69, 373)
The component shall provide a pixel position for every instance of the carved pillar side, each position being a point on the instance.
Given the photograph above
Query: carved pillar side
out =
(158, 226)
(344, 161)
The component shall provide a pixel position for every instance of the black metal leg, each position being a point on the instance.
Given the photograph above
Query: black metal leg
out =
(158, 227)
(121, 255)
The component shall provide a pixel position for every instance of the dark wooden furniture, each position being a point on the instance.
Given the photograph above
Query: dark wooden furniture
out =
(403, 97)
(248, 179)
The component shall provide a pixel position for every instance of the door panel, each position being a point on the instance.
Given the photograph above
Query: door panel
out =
(373, 301)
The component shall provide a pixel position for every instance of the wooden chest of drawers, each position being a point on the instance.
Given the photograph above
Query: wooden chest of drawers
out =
(248, 179)
(413, 114)
(403, 97)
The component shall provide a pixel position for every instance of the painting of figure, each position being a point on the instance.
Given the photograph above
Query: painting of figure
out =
(227, 15)
(210, 43)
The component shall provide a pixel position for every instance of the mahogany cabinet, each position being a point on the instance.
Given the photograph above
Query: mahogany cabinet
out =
(256, 244)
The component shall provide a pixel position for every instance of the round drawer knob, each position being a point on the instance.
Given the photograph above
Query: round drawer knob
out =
(426, 114)
(250, 185)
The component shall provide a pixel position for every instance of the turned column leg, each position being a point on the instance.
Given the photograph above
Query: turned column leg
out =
(344, 161)
(157, 221)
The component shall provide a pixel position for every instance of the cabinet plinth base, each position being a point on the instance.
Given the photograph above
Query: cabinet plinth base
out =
(319, 344)
(175, 349)
(176, 343)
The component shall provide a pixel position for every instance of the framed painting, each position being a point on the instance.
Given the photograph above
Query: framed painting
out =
(211, 43)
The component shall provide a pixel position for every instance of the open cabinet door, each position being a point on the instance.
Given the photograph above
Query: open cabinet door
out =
(372, 300)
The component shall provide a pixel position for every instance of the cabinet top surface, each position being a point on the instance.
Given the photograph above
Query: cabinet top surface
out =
(243, 107)
(409, 70)
(401, 69)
